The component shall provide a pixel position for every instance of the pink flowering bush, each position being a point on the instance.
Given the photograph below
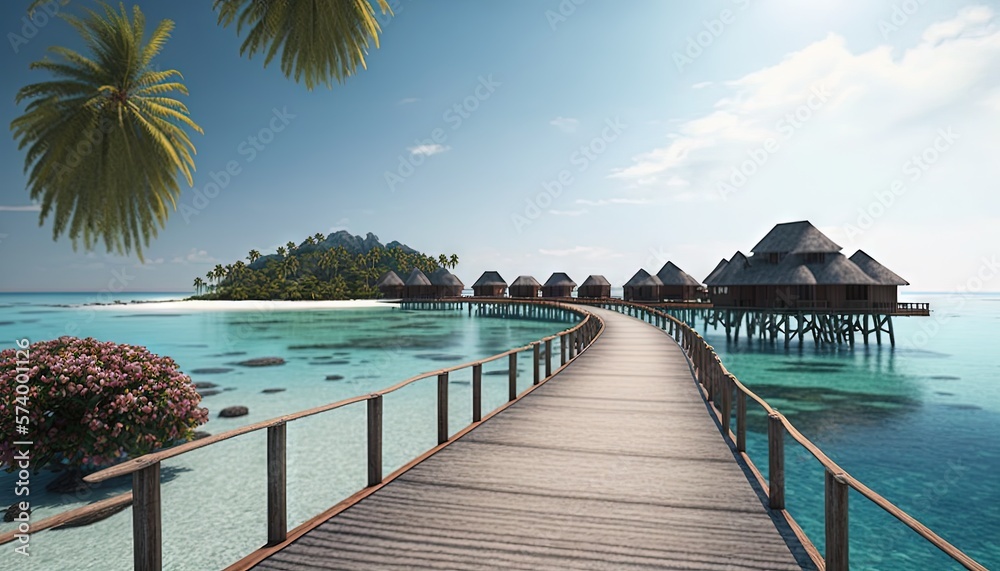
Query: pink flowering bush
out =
(91, 403)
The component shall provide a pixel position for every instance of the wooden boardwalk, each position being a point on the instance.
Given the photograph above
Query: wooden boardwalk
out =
(613, 464)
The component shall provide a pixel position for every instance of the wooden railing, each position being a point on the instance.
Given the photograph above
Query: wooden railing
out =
(145, 470)
(720, 386)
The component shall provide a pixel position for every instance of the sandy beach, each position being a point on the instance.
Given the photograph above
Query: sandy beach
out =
(246, 305)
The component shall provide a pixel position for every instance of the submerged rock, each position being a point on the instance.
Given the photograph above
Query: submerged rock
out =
(262, 362)
(233, 411)
(13, 511)
(199, 434)
(334, 377)
(205, 385)
(209, 392)
(68, 482)
(271, 391)
(211, 371)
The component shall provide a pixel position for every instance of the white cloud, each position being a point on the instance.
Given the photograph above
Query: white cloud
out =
(195, 256)
(429, 150)
(24, 208)
(588, 252)
(607, 201)
(861, 101)
(565, 124)
(568, 212)
(339, 225)
(407, 101)
(701, 85)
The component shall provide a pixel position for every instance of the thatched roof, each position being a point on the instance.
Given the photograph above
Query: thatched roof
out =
(643, 278)
(389, 279)
(718, 268)
(525, 281)
(596, 281)
(795, 238)
(417, 278)
(490, 279)
(442, 277)
(881, 274)
(559, 279)
(671, 275)
(836, 269)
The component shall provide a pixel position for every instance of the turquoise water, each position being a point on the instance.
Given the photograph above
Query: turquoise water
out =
(214, 499)
(918, 423)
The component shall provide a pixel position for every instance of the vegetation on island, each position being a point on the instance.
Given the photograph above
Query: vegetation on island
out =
(339, 266)
(107, 143)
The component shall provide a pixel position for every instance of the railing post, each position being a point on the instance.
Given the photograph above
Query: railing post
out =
(536, 356)
(727, 395)
(776, 461)
(548, 358)
(277, 518)
(147, 551)
(836, 522)
(442, 408)
(375, 440)
(741, 421)
(512, 377)
(477, 392)
(562, 348)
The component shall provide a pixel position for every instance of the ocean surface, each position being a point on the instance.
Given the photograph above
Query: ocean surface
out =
(214, 499)
(918, 422)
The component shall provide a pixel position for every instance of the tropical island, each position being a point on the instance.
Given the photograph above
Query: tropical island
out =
(334, 267)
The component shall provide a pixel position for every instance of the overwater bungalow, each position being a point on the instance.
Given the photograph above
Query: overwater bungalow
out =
(490, 284)
(418, 286)
(525, 286)
(595, 286)
(558, 285)
(795, 266)
(446, 284)
(643, 287)
(677, 284)
(390, 285)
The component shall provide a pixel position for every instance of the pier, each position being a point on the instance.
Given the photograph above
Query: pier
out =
(627, 450)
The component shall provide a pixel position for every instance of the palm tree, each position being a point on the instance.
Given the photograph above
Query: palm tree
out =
(319, 237)
(253, 256)
(319, 40)
(291, 247)
(453, 261)
(442, 260)
(281, 251)
(198, 285)
(107, 121)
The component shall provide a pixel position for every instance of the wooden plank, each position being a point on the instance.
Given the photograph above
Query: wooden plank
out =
(442, 408)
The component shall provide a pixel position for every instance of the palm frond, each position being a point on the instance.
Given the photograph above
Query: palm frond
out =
(318, 40)
(105, 140)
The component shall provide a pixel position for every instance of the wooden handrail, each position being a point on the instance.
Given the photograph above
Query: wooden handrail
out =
(145, 470)
(837, 479)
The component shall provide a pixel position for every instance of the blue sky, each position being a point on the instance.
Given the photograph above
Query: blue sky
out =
(589, 137)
